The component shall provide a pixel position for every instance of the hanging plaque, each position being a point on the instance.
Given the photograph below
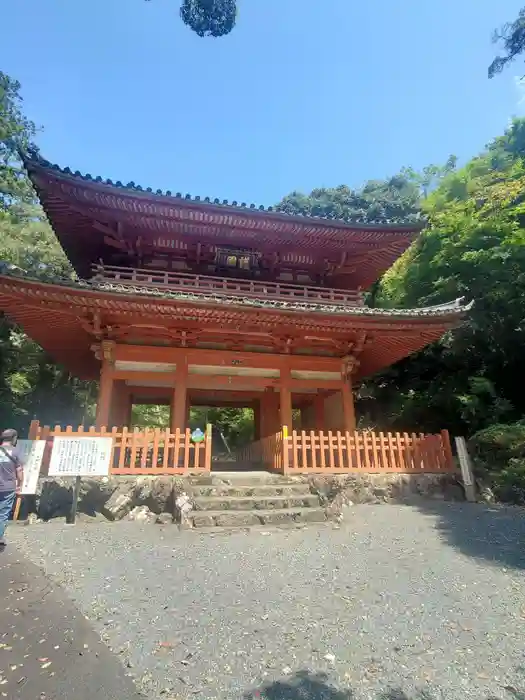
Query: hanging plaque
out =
(80, 456)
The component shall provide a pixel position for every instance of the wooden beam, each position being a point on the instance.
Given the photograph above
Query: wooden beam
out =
(140, 353)
(168, 378)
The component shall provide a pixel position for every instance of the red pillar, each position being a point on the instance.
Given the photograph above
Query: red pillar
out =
(178, 402)
(105, 394)
(257, 418)
(348, 407)
(319, 412)
(285, 396)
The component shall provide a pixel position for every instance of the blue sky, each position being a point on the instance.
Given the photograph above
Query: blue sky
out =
(302, 94)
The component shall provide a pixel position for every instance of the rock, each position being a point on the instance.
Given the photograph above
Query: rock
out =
(454, 492)
(161, 494)
(383, 493)
(183, 507)
(164, 519)
(486, 495)
(94, 493)
(336, 491)
(142, 490)
(54, 497)
(118, 505)
(141, 514)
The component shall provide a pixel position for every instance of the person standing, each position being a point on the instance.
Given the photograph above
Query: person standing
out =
(11, 478)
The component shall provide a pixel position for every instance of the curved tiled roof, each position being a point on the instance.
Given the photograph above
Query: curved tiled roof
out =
(415, 223)
(451, 308)
(60, 316)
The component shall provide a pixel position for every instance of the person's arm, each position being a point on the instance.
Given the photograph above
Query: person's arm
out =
(19, 470)
(19, 477)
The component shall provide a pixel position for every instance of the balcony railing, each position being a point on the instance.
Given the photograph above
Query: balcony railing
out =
(226, 286)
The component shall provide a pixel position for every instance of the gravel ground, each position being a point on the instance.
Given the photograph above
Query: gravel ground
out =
(399, 600)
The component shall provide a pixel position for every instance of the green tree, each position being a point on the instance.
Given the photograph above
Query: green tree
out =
(16, 132)
(473, 247)
(30, 383)
(512, 37)
(209, 17)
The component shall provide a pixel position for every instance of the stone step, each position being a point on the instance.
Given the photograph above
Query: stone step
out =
(262, 490)
(258, 503)
(248, 478)
(220, 518)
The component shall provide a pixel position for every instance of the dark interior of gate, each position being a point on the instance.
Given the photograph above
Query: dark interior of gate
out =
(235, 418)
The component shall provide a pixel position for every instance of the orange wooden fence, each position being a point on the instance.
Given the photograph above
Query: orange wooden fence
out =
(300, 452)
(140, 451)
(266, 453)
(366, 451)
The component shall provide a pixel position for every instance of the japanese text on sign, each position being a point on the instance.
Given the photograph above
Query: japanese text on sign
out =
(31, 453)
(80, 456)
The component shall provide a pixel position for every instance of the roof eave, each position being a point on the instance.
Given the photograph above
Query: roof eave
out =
(449, 314)
(34, 165)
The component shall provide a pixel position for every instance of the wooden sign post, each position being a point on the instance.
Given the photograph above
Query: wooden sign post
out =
(466, 469)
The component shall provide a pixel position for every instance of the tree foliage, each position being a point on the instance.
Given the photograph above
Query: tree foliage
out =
(209, 17)
(16, 131)
(512, 37)
(473, 247)
(30, 384)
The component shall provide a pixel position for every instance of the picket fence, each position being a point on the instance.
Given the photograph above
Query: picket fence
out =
(299, 452)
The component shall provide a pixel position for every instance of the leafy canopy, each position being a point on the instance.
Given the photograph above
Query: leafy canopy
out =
(209, 17)
(512, 36)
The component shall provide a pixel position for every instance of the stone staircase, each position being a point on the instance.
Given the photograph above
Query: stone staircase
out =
(247, 499)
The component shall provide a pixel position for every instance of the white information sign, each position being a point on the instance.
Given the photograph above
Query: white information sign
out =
(31, 452)
(80, 456)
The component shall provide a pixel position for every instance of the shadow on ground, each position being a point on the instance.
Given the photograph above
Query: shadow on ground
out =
(492, 533)
(305, 685)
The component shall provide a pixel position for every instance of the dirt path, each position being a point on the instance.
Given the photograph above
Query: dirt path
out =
(397, 602)
(48, 650)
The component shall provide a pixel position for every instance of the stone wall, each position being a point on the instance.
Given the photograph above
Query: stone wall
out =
(154, 498)
(338, 491)
(115, 497)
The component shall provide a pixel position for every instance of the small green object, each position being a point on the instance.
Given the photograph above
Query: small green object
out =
(197, 435)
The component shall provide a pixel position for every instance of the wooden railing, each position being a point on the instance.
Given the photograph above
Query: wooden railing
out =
(225, 286)
(300, 452)
(266, 453)
(366, 452)
(139, 451)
